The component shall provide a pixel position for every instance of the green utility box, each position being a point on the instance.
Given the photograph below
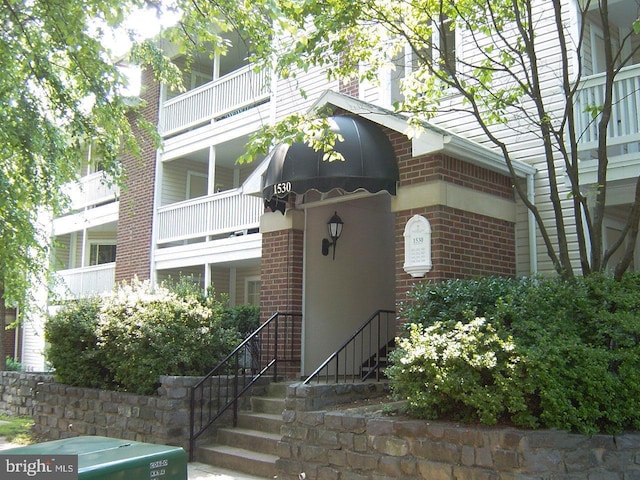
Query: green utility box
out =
(103, 458)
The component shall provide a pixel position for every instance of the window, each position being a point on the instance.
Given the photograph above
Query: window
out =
(252, 291)
(100, 253)
(442, 49)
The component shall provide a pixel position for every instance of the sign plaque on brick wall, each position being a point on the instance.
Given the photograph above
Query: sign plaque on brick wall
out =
(417, 246)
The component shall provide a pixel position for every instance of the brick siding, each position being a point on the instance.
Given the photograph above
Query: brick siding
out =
(135, 217)
(281, 291)
(464, 245)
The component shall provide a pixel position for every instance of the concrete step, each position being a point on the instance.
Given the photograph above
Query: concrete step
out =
(254, 440)
(265, 422)
(252, 446)
(278, 389)
(239, 459)
(272, 405)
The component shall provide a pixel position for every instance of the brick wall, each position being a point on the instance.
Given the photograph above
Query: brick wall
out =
(464, 244)
(133, 256)
(350, 87)
(10, 335)
(281, 291)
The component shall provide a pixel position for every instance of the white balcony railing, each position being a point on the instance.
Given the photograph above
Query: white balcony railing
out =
(219, 214)
(229, 94)
(91, 190)
(624, 126)
(83, 282)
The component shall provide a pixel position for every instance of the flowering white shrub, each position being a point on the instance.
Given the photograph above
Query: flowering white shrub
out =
(463, 372)
(136, 334)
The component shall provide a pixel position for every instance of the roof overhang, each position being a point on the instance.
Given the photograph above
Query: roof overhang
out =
(428, 138)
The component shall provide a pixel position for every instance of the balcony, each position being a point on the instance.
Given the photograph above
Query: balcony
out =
(226, 96)
(214, 215)
(624, 127)
(91, 190)
(86, 281)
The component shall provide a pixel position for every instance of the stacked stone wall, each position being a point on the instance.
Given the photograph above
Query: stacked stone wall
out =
(367, 444)
(18, 392)
(63, 411)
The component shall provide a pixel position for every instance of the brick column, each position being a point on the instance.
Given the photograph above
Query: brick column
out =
(135, 217)
(471, 211)
(281, 288)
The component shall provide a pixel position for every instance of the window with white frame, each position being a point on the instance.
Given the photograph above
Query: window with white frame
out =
(443, 45)
(252, 291)
(196, 185)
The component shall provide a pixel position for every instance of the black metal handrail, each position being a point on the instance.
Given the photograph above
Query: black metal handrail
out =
(221, 389)
(363, 355)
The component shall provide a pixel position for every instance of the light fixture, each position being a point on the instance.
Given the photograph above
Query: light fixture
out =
(334, 225)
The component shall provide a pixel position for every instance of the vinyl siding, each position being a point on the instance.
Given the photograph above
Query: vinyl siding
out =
(524, 146)
(174, 176)
(288, 97)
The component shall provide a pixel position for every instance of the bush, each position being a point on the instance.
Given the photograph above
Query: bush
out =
(547, 353)
(127, 340)
(243, 318)
(145, 333)
(12, 365)
(72, 338)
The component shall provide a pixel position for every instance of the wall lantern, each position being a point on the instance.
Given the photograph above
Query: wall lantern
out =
(334, 225)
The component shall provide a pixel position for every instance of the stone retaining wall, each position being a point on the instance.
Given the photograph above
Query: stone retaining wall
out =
(366, 444)
(325, 443)
(62, 411)
(17, 392)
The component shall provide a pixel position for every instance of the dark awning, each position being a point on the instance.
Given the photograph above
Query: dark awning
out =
(369, 164)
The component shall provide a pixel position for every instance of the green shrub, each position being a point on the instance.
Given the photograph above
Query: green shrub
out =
(127, 340)
(243, 318)
(72, 337)
(464, 372)
(547, 353)
(145, 334)
(13, 365)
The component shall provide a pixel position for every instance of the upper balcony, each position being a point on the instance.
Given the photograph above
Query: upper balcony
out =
(228, 95)
(219, 215)
(623, 134)
(92, 190)
(218, 86)
(85, 281)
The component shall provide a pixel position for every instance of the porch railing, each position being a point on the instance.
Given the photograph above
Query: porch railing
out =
(261, 353)
(91, 190)
(624, 126)
(225, 96)
(86, 281)
(218, 214)
(363, 355)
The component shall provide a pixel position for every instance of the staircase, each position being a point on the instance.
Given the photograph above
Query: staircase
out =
(373, 367)
(251, 447)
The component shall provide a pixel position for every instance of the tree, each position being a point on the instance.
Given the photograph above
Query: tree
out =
(502, 86)
(59, 87)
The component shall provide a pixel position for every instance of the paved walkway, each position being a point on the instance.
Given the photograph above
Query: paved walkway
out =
(195, 470)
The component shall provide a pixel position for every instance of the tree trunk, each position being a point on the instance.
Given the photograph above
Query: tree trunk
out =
(3, 330)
